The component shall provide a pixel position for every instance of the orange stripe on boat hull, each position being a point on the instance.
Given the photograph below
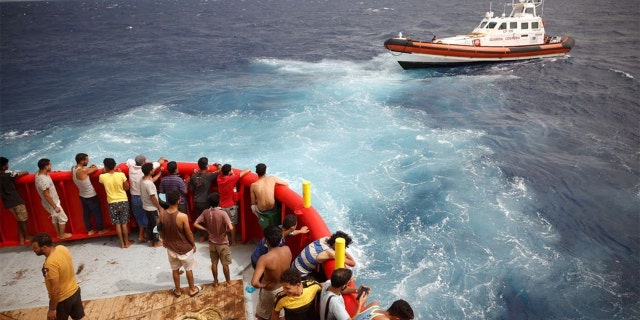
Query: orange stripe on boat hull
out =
(436, 54)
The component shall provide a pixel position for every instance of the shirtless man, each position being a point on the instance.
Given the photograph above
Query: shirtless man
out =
(263, 190)
(268, 270)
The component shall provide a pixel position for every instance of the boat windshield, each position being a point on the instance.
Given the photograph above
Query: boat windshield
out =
(492, 25)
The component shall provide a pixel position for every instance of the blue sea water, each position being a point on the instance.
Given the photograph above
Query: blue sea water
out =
(507, 191)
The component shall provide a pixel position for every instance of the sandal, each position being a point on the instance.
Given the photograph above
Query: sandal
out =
(196, 293)
(175, 294)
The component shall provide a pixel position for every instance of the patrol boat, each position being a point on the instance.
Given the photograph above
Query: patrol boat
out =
(519, 36)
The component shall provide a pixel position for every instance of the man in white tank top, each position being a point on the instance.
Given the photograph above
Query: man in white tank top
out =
(81, 173)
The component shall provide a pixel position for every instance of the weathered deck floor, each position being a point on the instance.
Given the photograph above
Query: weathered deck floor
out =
(227, 301)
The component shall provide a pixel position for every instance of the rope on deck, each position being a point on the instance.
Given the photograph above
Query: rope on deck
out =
(204, 314)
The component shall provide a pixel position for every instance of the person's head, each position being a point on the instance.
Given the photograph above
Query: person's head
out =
(289, 223)
(172, 167)
(173, 197)
(339, 234)
(147, 168)
(140, 159)
(261, 169)
(40, 242)
(226, 169)
(82, 158)
(109, 163)
(213, 199)
(4, 163)
(401, 309)
(273, 236)
(340, 278)
(43, 163)
(203, 163)
(291, 282)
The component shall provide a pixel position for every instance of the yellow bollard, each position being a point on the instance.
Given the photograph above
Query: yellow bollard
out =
(306, 194)
(340, 253)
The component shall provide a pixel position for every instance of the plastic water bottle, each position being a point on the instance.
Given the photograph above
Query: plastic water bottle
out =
(249, 289)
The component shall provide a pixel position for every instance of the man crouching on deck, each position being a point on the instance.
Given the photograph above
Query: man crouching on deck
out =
(181, 247)
(59, 278)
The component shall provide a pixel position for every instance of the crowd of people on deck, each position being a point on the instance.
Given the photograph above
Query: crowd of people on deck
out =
(290, 288)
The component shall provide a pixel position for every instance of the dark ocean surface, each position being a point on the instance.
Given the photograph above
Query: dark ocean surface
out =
(508, 191)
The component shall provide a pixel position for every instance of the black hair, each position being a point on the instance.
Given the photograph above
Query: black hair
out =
(226, 168)
(203, 163)
(147, 168)
(172, 167)
(340, 277)
(291, 276)
(43, 239)
(261, 169)
(339, 234)
(273, 236)
(3, 161)
(173, 197)
(213, 199)
(290, 220)
(42, 163)
(401, 309)
(109, 163)
(81, 156)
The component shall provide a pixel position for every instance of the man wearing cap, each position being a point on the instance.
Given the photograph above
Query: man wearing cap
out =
(135, 176)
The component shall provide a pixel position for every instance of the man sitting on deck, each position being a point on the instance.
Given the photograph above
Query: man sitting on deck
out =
(298, 297)
(311, 258)
(288, 229)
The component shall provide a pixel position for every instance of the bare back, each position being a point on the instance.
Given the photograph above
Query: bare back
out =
(263, 192)
(271, 265)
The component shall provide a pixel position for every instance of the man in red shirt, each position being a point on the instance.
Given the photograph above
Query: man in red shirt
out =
(227, 181)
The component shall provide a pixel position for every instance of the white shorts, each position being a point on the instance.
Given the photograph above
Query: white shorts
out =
(266, 303)
(57, 217)
(187, 260)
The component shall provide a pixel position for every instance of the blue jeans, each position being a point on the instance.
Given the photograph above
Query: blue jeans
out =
(92, 205)
(138, 211)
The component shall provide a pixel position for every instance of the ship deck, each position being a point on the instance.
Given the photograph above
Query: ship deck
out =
(132, 283)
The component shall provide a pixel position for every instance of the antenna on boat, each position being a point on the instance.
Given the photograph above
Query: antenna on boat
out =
(539, 3)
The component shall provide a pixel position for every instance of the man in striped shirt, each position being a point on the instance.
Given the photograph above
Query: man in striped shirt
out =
(309, 261)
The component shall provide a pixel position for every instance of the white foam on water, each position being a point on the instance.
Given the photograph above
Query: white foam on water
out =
(434, 219)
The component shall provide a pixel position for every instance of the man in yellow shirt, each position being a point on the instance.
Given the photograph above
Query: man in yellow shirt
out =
(116, 185)
(297, 298)
(59, 278)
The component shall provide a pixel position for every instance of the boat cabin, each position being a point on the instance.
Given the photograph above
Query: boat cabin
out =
(521, 28)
